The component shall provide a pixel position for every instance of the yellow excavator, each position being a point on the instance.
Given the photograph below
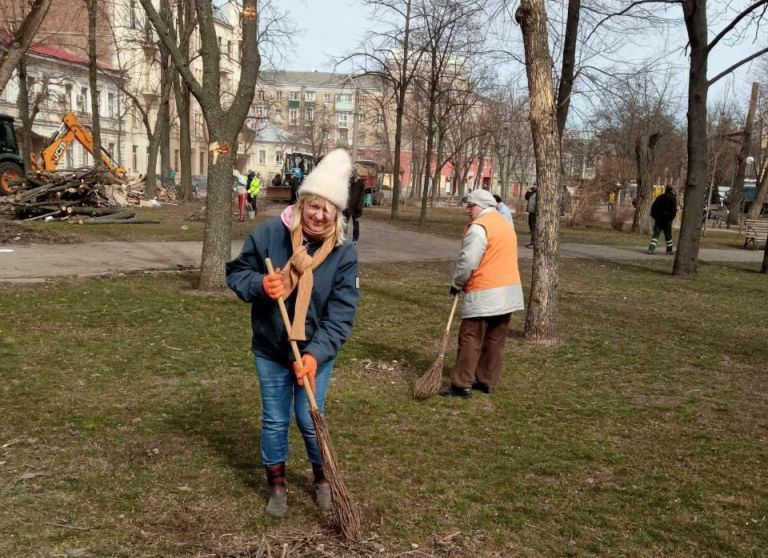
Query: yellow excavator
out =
(69, 131)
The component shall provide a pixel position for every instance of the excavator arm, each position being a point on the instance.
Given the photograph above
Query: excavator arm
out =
(69, 131)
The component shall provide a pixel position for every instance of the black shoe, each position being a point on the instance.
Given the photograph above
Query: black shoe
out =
(480, 386)
(452, 391)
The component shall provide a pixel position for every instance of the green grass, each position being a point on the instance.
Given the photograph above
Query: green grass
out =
(451, 221)
(130, 422)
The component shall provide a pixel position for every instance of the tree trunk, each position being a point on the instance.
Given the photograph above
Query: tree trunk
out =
(428, 156)
(541, 320)
(737, 192)
(22, 38)
(22, 103)
(92, 8)
(217, 244)
(400, 109)
(645, 157)
(687, 256)
(182, 96)
(757, 207)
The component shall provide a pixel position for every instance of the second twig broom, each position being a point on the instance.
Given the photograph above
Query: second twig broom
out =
(429, 384)
(345, 512)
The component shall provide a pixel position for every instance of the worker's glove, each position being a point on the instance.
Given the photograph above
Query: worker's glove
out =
(307, 368)
(454, 291)
(273, 284)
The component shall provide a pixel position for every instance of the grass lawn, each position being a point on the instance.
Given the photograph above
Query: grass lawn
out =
(174, 224)
(452, 221)
(130, 423)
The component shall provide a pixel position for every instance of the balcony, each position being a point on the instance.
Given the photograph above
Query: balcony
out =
(344, 105)
(294, 103)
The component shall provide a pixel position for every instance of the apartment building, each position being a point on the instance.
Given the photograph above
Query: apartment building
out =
(322, 110)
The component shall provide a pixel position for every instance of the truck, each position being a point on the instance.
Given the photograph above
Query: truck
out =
(12, 166)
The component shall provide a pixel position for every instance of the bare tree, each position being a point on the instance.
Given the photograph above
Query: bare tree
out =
(737, 190)
(315, 129)
(21, 38)
(390, 54)
(541, 319)
(223, 123)
(636, 115)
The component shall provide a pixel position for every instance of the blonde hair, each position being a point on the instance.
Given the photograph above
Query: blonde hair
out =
(337, 231)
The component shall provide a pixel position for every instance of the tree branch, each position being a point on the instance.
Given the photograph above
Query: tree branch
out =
(734, 22)
(736, 65)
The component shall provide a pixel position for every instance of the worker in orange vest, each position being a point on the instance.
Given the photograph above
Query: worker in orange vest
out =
(487, 273)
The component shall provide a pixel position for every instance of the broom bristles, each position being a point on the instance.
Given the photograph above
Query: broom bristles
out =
(344, 511)
(429, 384)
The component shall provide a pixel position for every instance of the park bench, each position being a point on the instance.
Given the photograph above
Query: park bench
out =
(755, 231)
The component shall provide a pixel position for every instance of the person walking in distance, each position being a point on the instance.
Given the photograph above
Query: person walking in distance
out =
(663, 212)
(254, 189)
(530, 197)
(354, 209)
(488, 274)
(504, 209)
(318, 278)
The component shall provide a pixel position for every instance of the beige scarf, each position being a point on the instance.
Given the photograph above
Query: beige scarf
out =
(297, 273)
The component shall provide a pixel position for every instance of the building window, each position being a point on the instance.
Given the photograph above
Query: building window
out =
(67, 96)
(342, 135)
(262, 156)
(261, 112)
(309, 96)
(134, 20)
(379, 119)
(279, 95)
(260, 95)
(342, 119)
(293, 116)
(344, 97)
(327, 98)
(82, 100)
(309, 115)
(111, 149)
(111, 105)
(229, 49)
(135, 157)
(278, 157)
(293, 95)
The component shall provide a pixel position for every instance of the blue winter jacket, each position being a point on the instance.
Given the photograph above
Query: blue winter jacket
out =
(332, 306)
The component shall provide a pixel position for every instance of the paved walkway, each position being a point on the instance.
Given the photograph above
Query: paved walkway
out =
(380, 242)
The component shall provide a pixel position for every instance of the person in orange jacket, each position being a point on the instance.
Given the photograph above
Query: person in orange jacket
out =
(487, 273)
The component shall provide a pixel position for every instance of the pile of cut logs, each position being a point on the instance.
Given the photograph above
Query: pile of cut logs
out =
(87, 195)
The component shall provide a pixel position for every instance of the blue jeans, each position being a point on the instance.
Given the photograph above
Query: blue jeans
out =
(280, 392)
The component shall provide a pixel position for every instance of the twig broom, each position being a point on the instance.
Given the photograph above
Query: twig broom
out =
(429, 384)
(344, 511)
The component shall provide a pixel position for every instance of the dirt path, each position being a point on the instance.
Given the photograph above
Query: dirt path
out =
(380, 242)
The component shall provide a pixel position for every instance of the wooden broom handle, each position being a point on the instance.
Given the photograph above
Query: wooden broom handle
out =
(453, 310)
(294, 346)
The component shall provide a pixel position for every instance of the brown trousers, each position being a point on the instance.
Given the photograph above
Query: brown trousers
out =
(481, 351)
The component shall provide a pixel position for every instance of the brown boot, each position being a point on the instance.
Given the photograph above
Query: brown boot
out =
(278, 494)
(322, 488)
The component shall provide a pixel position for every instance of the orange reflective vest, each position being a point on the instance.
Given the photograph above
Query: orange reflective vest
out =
(498, 266)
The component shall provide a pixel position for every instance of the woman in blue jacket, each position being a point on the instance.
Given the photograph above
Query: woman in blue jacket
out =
(317, 275)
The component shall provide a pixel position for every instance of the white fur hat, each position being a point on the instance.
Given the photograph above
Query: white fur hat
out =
(330, 178)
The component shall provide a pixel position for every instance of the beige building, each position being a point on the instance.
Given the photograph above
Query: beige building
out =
(318, 111)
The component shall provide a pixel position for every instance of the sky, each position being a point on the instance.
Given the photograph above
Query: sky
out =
(327, 28)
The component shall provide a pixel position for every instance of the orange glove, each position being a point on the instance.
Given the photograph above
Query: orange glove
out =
(273, 284)
(306, 368)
